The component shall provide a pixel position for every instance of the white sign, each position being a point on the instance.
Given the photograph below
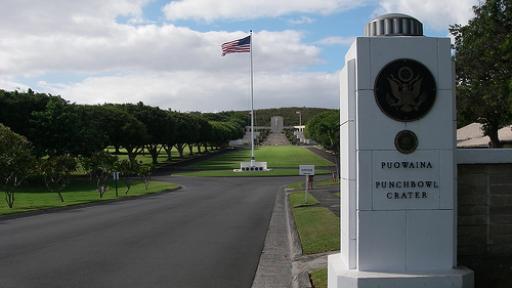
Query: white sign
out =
(115, 175)
(307, 170)
(405, 181)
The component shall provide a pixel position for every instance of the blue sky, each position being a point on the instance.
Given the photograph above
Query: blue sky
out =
(167, 53)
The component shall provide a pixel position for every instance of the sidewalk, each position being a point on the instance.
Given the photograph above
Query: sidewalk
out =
(282, 264)
(275, 266)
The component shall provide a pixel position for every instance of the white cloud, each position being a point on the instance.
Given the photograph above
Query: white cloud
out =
(249, 9)
(336, 40)
(204, 91)
(438, 14)
(163, 65)
(9, 84)
(149, 47)
(64, 16)
(301, 20)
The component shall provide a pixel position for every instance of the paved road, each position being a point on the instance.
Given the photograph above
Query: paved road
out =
(209, 234)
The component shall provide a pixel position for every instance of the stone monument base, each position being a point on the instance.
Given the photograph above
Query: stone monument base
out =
(251, 166)
(340, 277)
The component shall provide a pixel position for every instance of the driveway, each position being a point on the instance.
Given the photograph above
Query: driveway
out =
(208, 234)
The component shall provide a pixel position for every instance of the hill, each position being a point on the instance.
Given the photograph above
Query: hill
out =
(291, 118)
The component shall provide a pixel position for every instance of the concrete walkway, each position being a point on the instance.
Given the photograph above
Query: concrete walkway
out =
(282, 264)
(275, 266)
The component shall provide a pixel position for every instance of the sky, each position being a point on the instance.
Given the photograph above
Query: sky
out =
(167, 53)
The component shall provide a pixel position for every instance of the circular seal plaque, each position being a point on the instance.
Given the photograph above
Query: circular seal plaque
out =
(405, 90)
(406, 142)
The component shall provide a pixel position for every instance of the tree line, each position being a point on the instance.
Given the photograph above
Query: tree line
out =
(48, 136)
(324, 129)
(483, 58)
(290, 115)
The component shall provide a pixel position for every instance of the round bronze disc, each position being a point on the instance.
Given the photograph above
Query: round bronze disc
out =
(405, 90)
(406, 142)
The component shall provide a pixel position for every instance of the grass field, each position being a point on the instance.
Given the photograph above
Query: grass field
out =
(78, 192)
(327, 182)
(318, 228)
(145, 157)
(319, 278)
(283, 160)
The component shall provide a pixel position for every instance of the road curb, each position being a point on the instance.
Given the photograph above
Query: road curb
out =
(81, 205)
(293, 236)
(300, 278)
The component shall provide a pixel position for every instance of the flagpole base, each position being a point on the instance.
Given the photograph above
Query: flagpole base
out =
(251, 166)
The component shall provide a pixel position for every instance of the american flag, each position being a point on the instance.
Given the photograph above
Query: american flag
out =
(237, 46)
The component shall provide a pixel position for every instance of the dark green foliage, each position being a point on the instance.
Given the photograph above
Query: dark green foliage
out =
(16, 109)
(55, 171)
(187, 130)
(126, 169)
(223, 132)
(263, 135)
(99, 166)
(289, 114)
(159, 126)
(483, 57)
(145, 171)
(325, 130)
(16, 162)
(64, 128)
(56, 127)
(290, 136)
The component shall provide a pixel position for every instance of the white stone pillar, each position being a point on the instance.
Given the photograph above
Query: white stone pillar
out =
(398, 172)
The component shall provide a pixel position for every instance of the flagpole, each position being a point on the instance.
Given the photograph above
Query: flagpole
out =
(252, 109)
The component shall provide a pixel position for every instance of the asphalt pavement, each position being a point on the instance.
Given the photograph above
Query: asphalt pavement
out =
(208, 234)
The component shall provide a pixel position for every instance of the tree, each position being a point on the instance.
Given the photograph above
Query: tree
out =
(184, 131)
(127, 169)
(325, 129)
(16, 162)
(64, 128)
(145, 172)
(483, 57)
(204, 133)
(222, 132)
(16, 109)
(157, 123)
(124, 130)
(169, 135)
(99, 166)
(55, 171)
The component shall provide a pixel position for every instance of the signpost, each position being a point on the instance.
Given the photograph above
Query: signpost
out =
(306, 170)
(115, 177)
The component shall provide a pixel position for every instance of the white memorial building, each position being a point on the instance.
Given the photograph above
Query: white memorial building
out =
(398, 186)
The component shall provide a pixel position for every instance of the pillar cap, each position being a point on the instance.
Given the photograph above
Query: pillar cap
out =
(394, 24)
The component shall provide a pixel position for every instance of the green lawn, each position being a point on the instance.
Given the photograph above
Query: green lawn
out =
(319, 278)
(327, 182)
(145, 157)
(79, 191)
(283, 160)
(297, 200)
(318, 228)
